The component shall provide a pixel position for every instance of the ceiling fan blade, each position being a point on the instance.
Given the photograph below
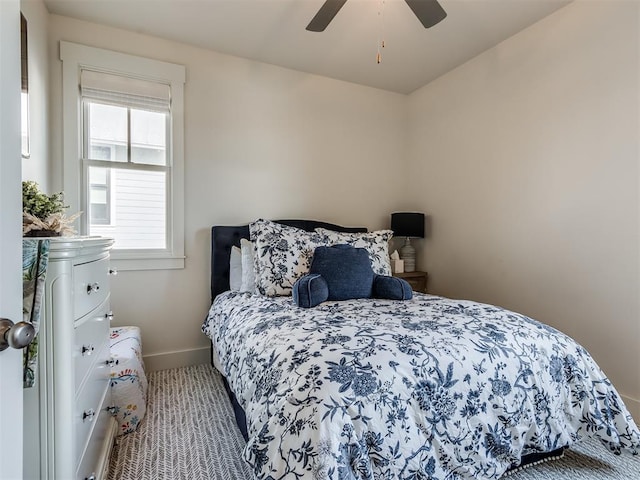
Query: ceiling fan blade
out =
(429, 12)
(325, 15)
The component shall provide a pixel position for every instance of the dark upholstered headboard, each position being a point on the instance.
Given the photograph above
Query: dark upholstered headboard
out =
(225, 237)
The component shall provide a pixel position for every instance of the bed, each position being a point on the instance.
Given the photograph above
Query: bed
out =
(429, 388)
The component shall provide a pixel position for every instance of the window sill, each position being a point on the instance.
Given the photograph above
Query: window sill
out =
(122, 264)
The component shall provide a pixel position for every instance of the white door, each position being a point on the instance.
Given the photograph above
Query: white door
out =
(10, 238)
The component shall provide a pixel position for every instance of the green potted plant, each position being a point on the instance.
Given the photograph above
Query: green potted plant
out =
(43, 215)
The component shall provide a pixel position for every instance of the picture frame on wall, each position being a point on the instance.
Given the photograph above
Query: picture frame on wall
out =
(24, 96)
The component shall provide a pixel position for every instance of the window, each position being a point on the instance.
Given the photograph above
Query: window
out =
(127, 112)
(99, 196)
(126, 160)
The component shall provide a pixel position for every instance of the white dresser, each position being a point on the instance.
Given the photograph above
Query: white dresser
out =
(69, 429)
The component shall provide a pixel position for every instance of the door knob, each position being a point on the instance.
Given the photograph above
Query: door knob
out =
(17, 335)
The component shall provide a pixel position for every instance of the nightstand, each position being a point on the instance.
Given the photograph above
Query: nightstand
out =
(417, 280)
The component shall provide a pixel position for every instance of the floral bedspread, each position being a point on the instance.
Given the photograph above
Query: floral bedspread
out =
(429, 388)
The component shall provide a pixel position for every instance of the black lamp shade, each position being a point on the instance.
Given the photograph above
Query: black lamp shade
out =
(407, 224)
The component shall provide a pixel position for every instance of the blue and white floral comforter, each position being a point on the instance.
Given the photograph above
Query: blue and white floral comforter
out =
(429, 388)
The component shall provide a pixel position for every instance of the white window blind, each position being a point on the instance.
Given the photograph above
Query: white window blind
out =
(126, 91)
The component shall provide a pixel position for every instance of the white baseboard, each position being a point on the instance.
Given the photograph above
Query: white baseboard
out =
(633, 406)
(176, 359)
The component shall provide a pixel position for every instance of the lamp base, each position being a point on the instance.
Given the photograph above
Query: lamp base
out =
(408, 254)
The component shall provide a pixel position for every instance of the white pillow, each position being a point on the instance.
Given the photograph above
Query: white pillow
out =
(248, 283)
(375, 243)
(235, 269)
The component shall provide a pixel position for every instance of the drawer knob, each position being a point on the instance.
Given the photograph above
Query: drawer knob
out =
(113, 271)
(112, 410)
(88, 415)
(93, 287)
(111, 362)
(87, 350)
(109, 316)
(91, 477)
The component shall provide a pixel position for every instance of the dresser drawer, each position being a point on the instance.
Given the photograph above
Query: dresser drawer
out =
(91, 335)
(88, 403)
(90, 285)
(89, 467)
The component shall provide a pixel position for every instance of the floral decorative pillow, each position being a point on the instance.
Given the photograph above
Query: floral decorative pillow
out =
(376, 243)
(282, 254)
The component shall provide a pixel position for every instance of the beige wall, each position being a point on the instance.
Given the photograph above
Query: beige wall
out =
(526, 158)
(261, 141)
(38, 166)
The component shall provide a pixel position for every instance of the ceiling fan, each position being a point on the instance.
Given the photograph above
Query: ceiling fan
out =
(429, 12)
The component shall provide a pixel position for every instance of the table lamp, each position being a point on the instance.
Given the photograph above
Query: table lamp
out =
(409, 225)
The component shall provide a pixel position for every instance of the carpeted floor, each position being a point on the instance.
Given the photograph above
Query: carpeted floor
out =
(190, 433)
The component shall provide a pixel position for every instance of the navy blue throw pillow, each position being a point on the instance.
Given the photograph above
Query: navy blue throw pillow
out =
(392, 288)
(346, 269)
(310, 290)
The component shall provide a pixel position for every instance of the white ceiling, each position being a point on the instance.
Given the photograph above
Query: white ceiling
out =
(273, 31)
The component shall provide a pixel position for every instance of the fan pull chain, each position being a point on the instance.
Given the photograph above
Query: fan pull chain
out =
(381, 39)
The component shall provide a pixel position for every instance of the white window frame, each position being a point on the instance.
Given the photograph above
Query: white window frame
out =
(76, 57)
